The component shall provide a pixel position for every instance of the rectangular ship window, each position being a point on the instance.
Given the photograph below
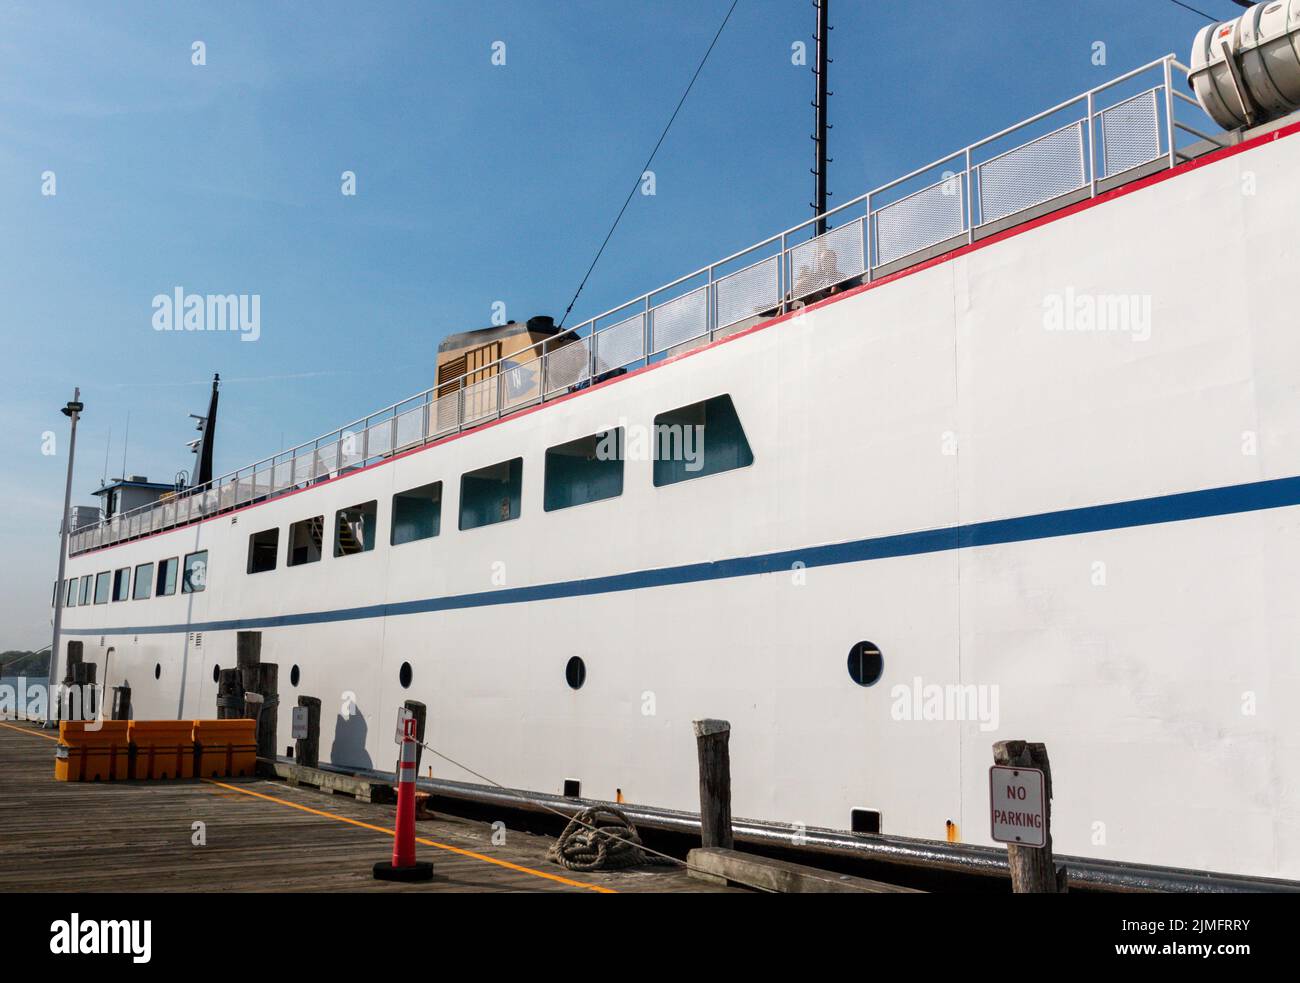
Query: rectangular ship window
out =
(697, 440)
(70, 597)
(263, 548)
(166, 577)
(417, 514)
(143, 582)
(354, 529)
(122, 584)
(305, 540)
(586, 470)
(102, 585)
(491, 494)
(195, 575)
(85, 589)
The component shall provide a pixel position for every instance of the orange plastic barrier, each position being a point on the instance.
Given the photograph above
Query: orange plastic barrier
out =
(226, 747)
(92, 751)
(163, 748)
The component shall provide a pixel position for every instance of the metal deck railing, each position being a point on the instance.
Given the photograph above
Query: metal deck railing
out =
(1117, 132)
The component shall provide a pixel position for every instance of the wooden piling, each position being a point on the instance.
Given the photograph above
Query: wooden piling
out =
(90, 690)
(262, 679)
(230, 695)
(81, 688)
(253, 711)
(711, 741)
(75, 650)
(306, 750)
(1033, 869)
(248, 648)
(121, 703)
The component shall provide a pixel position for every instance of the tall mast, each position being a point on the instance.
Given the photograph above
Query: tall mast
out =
(819, 104)
(202, 446)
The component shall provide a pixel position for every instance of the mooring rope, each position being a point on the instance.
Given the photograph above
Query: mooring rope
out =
(602, 838)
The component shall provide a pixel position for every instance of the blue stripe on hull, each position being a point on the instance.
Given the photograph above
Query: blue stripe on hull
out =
(1233, 499)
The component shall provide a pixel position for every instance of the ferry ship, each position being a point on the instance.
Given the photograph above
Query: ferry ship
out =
(1006, 448)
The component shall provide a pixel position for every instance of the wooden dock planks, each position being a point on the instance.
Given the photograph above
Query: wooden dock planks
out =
(260, 836)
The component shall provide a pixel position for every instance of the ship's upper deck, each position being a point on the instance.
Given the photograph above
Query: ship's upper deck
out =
(1119, 132)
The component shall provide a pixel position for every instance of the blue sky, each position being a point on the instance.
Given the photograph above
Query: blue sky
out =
(476, 183)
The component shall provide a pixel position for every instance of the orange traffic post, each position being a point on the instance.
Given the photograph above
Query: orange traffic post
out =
(404, 866)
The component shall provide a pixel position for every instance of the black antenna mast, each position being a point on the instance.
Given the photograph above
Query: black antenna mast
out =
(202, 445)
(819, 104)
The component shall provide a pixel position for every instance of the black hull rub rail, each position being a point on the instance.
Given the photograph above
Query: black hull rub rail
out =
(962, 864)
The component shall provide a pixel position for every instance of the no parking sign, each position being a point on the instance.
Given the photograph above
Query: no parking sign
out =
(1016, 797)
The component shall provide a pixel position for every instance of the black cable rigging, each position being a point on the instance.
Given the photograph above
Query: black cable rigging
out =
(1186, 6)
(649, 161)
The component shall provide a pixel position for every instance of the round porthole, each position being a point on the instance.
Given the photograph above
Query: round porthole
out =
(157, 670)
(575, 673)
(866, 664)
(293, 676)
(216, 674)
(404, 675)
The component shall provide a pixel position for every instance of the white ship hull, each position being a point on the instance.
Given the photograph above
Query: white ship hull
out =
(918, 448)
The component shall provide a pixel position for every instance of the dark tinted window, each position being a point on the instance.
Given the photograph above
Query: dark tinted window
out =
(167, 577)
(122, 584)
(143, 582)
(195, 576)
(491, 494)
(354, 529)
(417, 514)
(263, 547)
(305, 539)
(697, 440)
(586, 470)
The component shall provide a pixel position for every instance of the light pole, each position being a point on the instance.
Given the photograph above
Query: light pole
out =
(72, 411)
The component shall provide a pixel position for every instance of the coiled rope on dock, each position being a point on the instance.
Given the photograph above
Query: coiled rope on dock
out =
(600, 838)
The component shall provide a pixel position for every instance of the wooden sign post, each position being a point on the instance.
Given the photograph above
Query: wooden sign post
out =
(307, 739)
(1033, 870)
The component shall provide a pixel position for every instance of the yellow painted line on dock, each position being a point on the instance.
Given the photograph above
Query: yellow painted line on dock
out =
(378, 829)
(28, 731)
(419, 839)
